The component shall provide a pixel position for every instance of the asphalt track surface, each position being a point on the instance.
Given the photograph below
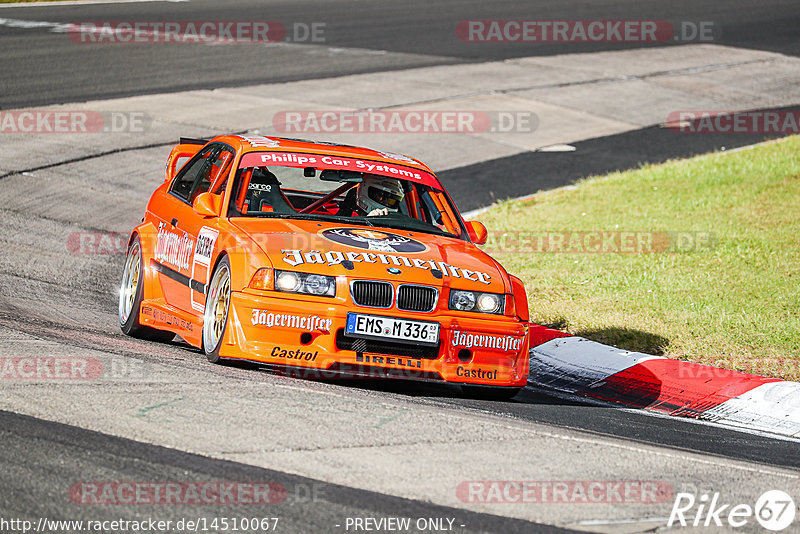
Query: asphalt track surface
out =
(41, 458)
(33, 449)
(40, 67)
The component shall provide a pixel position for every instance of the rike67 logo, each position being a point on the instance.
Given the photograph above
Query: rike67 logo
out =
(774, 510)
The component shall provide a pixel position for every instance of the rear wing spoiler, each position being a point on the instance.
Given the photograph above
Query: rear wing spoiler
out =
(193, 141)
(182, 153)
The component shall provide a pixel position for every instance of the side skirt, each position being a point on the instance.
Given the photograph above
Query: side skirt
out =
(159, 314)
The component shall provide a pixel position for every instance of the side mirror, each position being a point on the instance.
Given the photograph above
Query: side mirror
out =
(207, 205)
(477, 232)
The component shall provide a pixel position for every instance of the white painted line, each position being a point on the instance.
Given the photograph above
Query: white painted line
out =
(55, 27)
(556, 148)
(66, 27)
(84, 3)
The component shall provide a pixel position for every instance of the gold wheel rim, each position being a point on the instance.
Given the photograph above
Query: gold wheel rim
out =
(216, 314)
(130, 282)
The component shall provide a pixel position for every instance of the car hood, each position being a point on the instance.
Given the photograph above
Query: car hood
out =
(375, 253)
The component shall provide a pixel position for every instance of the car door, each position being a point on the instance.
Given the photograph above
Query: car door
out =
(185, 240)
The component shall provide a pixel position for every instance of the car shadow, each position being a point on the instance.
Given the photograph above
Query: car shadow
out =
(624, 389)
(627, 339)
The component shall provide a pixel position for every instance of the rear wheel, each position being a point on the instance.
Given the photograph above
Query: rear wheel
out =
(218, 303)
(131, 291)
(490, 393)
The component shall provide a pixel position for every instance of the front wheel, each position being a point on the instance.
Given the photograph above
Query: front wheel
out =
(131, 291)
(218, 303)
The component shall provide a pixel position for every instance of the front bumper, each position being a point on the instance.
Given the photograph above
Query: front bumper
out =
(308, 335)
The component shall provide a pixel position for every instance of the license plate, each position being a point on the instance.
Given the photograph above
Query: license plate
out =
(380, 327)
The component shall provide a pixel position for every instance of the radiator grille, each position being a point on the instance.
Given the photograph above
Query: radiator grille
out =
(373, 294)
(416, 298)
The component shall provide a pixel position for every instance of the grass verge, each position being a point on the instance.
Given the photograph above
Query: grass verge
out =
(706, 266)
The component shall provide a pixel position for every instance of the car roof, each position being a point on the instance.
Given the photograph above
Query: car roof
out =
(258, 143)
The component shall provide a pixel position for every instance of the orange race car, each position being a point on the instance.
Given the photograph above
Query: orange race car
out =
(323, 259)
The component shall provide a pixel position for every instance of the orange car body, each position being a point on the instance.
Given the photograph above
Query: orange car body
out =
(182, 241)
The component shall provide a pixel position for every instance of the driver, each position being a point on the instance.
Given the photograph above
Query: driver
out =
(376, 195)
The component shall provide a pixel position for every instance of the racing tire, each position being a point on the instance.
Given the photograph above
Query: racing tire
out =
(490, 393)
(131, 292)
(218, 304)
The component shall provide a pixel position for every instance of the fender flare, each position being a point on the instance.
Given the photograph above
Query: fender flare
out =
(520, 298)
(147, 234)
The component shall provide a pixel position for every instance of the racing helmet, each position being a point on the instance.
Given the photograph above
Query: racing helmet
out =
(379, 192)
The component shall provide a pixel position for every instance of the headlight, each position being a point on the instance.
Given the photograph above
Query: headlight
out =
(476, 302)
(462, 300)
(488, 303)
(317, 284)
(310, 284)
(287, 281)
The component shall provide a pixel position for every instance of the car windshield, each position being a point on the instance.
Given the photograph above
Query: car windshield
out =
(336, 195)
